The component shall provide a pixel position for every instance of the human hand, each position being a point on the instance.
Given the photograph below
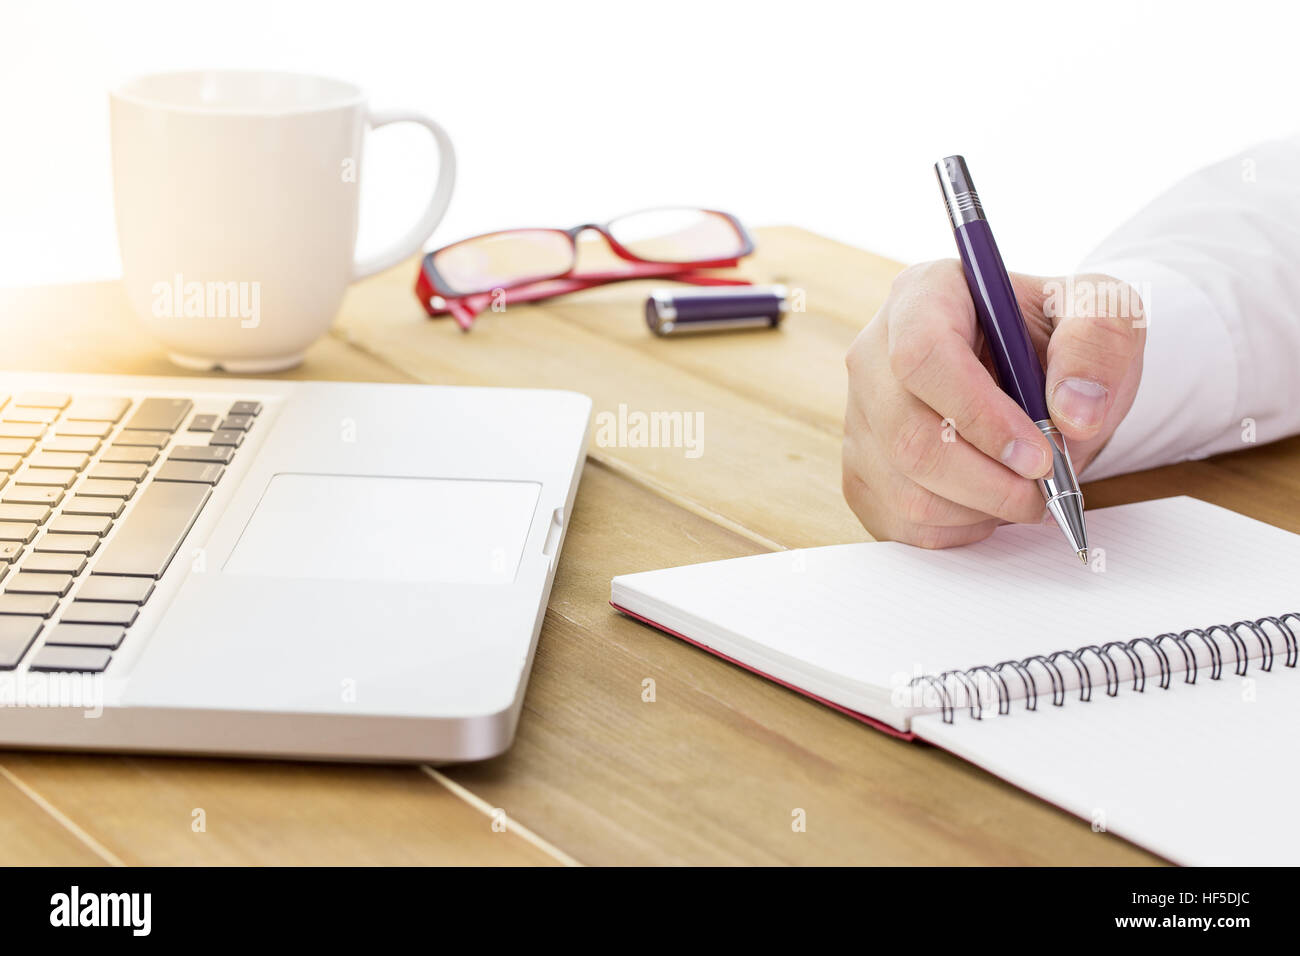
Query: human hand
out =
(935, 453)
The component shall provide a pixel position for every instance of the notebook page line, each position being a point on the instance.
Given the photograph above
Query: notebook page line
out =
(875, 613)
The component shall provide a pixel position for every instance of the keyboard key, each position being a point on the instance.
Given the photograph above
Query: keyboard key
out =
(241, 422)
(146, 543)
(98, 409)
(31, 495)
(47, 563)
(67, 543)
(16, 446)
(204, 423)
(55, 400)
(21, 430)
(20, 531)
(33, 513)
(160, 414)
(81, 524)
(227, 436)
(119, 471)
(58, 657)
(190, 471)
(19, 413)
(106, 587)
(246, 408)
(104, 488)
(81, 505)
(9, 550)
(16, 636)
(99, 612)
(127, 453)
(83, 429)
(27, 582)
(9, 462)
(4, 569)
(72, 443)
(40, 605)
(149, 439)
(58, 459)
(201, 453)
(58, 477)
(86, 635)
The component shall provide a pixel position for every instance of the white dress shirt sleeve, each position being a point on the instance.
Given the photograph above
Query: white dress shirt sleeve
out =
(1217, 261)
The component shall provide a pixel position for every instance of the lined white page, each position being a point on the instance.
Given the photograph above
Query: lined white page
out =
(1195, 773)
(852, 622)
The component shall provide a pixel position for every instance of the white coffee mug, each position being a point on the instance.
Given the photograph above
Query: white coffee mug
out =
(237, 197)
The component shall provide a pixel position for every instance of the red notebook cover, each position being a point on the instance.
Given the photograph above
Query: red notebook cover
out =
(869, 721)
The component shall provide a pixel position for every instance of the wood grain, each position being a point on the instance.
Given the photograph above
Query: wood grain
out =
(711, 770)
(548, 346)
(148, 811)
(34, 833)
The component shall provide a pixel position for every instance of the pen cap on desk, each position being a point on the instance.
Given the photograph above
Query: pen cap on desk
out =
(723, 309)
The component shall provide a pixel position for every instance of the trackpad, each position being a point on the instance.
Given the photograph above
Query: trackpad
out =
(354, 528)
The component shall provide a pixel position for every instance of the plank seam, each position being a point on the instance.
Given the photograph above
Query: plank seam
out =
(103, 852)
(512, 825)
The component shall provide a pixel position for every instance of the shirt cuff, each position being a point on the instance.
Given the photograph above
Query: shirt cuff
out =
(1188, 393)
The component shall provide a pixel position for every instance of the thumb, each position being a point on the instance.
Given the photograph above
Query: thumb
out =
(1098, 331)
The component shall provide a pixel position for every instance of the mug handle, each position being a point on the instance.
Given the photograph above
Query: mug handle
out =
(411, 243)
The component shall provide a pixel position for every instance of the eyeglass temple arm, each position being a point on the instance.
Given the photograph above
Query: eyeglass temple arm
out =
(464, 309)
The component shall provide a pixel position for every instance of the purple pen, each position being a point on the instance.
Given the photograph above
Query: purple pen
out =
(1019, 372)
(719, 309)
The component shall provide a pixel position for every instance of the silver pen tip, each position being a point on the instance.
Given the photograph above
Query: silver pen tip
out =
(1083, 556)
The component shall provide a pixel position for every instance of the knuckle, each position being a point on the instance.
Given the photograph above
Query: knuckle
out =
(930, 537)
(868, 343)
(920, 292)
(912, 275)
(862, 503)
(910, 350)
(917, 447)
(933, 272)
(1111, 334)
(916, 505)
(853, 357)
(974, 417)
(1109, 315)
(913, 506)
(849, 481)
(978, 532)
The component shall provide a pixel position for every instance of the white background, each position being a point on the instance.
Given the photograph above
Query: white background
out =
(824, 115)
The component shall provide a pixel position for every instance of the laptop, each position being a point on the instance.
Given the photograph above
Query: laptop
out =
(276, 569)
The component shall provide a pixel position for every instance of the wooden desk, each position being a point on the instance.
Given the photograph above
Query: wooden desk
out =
(712, 769)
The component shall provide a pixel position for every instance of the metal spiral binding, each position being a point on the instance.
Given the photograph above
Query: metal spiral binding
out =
(1232, 634)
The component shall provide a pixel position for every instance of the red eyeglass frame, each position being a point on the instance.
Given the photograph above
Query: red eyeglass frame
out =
(465, 307)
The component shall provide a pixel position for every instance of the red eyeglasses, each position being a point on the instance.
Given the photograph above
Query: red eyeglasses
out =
(525, 265)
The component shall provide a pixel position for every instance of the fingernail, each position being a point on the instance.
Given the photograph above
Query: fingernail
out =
(1025, 458)
(1080, 401)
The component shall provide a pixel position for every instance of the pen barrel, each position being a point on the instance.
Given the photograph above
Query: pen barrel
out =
(1015, 359)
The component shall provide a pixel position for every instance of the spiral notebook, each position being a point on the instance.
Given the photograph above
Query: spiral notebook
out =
(1154, 694)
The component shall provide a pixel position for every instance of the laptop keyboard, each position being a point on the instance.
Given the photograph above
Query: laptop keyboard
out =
(96, 495)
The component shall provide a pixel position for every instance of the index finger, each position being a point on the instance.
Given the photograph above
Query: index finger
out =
(932, 335)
